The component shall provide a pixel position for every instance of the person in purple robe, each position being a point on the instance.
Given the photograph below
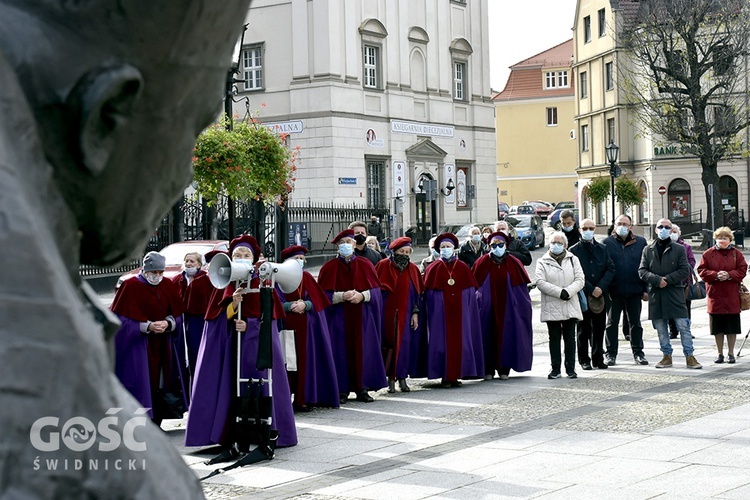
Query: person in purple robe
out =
(404, 345)
(234, 312)
(354, 319)
(314, 382)
(455, 335)
(149, 308)
(504, 310)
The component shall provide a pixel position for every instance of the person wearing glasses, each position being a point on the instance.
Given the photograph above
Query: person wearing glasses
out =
(599, 271)
(626, 290)
(504, 310)
(664, 266)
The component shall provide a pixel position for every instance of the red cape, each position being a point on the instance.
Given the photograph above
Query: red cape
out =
(195, 296)
(310, 290)
(389, 276)
(437, 275)
(359, 274)
(136, 299)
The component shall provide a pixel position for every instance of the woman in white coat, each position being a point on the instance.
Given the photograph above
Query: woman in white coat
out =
(559, 277)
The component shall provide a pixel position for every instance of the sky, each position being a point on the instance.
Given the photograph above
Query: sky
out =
(520, 29)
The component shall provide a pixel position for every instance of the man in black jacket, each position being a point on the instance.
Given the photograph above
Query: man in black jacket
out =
(516, 248)
(570, 227)
(599, 271)
(360, 240)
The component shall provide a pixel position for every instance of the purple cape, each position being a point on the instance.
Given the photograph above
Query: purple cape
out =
(369, 360)
(412, 353)
(215, 384)
(131, 361)
(471, 355)
(516, 335)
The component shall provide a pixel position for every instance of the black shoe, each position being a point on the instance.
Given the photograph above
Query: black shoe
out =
(343, 398)
(586, 366)
(364, 397)
(640, 359)
(672, 335)
(601, 366)
(302, 409)
(719, 359)
(456, 383)
(610, 360)
(572, 374)
(627, 337)
(554, 374)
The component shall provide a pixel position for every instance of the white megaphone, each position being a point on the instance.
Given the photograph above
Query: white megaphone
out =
(223, 271)
(288, 274)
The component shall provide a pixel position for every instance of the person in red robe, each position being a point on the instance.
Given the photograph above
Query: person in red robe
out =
(455, 334)
(404, 353)
(314, 381)
(149, 308)
(195, 289)
(351, 284)
(504, 309)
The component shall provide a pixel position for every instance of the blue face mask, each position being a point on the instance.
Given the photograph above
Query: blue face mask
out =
(622, 231)
(446, 252)
(346, 249)
(245, 262)
(569, 228)
(664, 233)
(435, 253)
(587, 235)
(498, 251)
(475, 238)
(556, 248)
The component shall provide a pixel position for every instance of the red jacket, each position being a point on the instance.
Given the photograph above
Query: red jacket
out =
(723, 296)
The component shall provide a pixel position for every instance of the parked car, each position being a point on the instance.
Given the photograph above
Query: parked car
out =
(529, 229)
(513, 210)
(175, 255)
(502, 209)
(526, 209)
(564, 204)
(554, 218)
(462, 230)
(541, 208)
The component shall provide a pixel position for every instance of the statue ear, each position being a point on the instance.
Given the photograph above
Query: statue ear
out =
(105, 100)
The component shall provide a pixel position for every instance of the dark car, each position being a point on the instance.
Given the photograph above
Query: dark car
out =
(529, 229)
(554, 218)
(502, 209)
(175, 256)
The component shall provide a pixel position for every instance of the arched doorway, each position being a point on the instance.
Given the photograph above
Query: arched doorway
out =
(678, 200)
(424, 212)
(642, 211)
(729, 200)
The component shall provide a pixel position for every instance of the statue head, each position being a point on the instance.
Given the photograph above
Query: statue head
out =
(120, 89)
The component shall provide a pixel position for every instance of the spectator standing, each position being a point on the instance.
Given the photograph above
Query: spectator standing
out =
(516, 248)
(559, 277)
(360, 243)
(473, 248)
(570, 227)
(664, 267)
(723, 268)
(599, 271)
(375, 229)
(676, 237)
(626, 291)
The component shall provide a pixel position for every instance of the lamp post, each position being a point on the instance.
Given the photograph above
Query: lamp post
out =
(614, 171)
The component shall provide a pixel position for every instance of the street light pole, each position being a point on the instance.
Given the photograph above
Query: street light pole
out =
(614, 171)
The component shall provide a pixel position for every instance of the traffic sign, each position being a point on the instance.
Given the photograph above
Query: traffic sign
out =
(662, 190)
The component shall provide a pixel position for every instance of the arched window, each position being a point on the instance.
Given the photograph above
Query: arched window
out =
(643, 207)
(418, 70)
(678, 200)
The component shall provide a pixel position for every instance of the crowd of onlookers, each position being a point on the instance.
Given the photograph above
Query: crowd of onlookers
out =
(370, 322)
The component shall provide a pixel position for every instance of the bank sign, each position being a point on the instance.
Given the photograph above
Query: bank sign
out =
(676, 150)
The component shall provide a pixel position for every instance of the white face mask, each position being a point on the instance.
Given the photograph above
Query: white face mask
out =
(191, 271)
(622, 231)
(153, 279)
(246, 262)
(556, 248)
(568, 229)
(587, 235)
(674, 236)
(498, 251)
(301, 263)
(475, 238)
(446, 252)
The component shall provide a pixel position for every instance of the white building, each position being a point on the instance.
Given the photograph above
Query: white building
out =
(378, 95)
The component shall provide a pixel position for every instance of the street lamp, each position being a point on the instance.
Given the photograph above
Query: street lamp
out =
(448, 188)
(614, 171)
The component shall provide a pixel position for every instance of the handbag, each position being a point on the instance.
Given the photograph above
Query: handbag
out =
(583, 300)
(696, 289)
(744, 297)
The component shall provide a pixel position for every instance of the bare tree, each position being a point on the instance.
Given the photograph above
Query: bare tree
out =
(688, 78)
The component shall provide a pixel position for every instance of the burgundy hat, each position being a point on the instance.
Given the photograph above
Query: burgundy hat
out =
(498, 234)
(446, 236)
(346, 233)
(245, 241)
(293, 251)
(403, 241)
(211, 254)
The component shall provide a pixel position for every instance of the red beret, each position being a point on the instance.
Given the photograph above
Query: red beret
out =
(211, 254)
(292, 251)
(245, 241)
(346, 233)
(403, 241)
(446, 236)
(498, 234)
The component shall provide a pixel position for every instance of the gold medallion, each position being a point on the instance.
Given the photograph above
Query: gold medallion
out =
(451, 281)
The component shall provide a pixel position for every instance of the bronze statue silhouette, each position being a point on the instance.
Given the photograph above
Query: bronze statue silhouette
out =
(100, 106)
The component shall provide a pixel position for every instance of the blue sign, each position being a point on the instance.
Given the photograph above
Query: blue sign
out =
(347, 180)
(298, 234)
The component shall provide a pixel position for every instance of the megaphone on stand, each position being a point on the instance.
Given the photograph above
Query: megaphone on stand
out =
(288, 274)
(223, 271)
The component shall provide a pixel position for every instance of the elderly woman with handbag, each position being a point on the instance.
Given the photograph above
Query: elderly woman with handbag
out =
(559, 277)
(722, 268)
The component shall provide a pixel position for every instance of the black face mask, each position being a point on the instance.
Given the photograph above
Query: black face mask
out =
(401, 261)
(360, 239)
